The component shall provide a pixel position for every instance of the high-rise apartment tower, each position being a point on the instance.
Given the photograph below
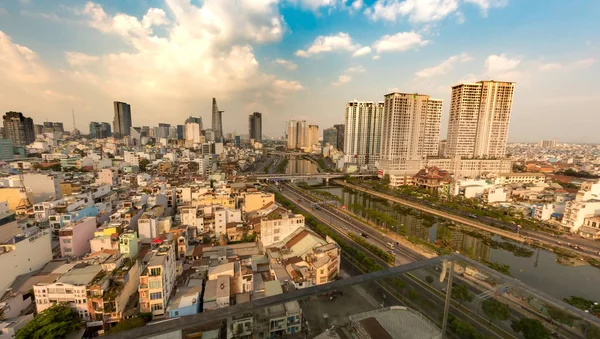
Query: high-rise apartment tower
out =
(479, 119)
(362, 135)
(255, 126)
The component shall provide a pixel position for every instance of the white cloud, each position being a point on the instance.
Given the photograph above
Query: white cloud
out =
(376, 57)
(287, 64)
(362, 51)
(469, 78)
(356, 69)
(582, 64)
(323, 44)
(485, 5)
(415, 10)
(154, 17)
(575, 65)
(80, 59)
(550, 67)
(399, 42)
(19, 64)
(315, 5)
(201, 51)
(500, 63)
(342, 79)
(444, 66)
(41, 15)
(357, 5)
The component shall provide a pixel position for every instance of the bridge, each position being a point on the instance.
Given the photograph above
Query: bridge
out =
(307, 176)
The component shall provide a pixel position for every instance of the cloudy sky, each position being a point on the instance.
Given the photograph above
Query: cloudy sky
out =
(300, 59)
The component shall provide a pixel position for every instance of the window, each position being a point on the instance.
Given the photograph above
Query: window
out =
(155, 295)
(155, 284)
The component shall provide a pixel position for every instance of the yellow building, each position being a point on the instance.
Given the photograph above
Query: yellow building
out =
(254, 201)
(210, 200)
(14, 196)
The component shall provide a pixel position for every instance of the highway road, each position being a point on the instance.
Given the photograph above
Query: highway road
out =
(591, 249)
(342, 224)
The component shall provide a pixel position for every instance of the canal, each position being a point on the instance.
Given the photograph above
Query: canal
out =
(535, 267)
(300, 165)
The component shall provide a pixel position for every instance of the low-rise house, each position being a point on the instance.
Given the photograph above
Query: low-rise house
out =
(185, 302)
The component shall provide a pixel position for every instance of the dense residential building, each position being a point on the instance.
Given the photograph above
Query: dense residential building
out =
(18, 128)
(255, 126)
(157, 279)
(362, 134)
(278, 224)
(217, 121)
(23, 253)
(479, 119)
(122, 119)
(75, 239)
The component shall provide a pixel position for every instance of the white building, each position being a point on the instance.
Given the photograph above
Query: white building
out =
(157, 280)
(108, 176)
(479, 119)
(588, 191)
(411, 127)
(70, 288)
(192, 133)
(362, 131)
(39, 186)
(544, 212)
(24, 254)
(131, 158)
(279, 224)
(520, 178)
(577, 211)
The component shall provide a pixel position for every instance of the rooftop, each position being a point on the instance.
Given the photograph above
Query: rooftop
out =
(81, 274)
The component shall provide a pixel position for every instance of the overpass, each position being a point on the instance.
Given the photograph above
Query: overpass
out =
(307, 176)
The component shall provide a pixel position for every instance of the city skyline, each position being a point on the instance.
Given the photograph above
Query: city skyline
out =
(294, 53)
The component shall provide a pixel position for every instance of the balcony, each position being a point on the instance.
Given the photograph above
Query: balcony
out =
(415, 300)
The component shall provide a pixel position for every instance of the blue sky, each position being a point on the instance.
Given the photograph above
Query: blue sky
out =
(300, 59)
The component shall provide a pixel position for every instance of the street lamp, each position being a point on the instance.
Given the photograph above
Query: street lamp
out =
(587, 323)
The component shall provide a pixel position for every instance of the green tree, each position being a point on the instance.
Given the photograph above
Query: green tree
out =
(127, 324)
(53, 323)
(461, 293)
(143, 164)
(386, 179)
(495, 310)
(530, 328)
(560, 316)
(429, 279)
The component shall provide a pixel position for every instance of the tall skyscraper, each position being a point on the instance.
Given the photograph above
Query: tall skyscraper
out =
(340, 128)
(411, 127)
(255, 126)
(292, 134)
(18, 128)
(122, 119)
(180, 132)
(479, 118)
(301, 134)
(100, 130)
(330, 136)
(217, 121)
(362, 134)
(193, 126)
(312, 135)
(50, 127)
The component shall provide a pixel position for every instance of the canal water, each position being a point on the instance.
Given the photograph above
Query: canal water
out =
(298, 165)
(540, 270)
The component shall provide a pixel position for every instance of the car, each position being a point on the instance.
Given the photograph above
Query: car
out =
(364, 235)
(472, 216)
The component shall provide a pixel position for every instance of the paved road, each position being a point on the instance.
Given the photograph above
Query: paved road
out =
(539, 236)
(340, 223)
